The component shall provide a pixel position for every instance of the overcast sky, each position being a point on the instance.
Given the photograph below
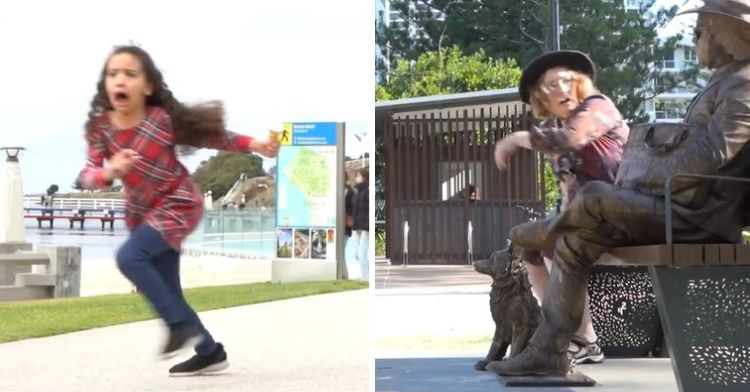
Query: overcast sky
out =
(681, 24)
(269, 61)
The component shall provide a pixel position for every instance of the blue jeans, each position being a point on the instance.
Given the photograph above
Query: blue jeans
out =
(361, 240)
(154, 268)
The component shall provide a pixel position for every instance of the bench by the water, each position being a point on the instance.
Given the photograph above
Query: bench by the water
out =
(75, 216)
(52, 272)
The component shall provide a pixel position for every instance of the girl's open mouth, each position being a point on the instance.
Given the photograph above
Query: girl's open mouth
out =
(120, 98)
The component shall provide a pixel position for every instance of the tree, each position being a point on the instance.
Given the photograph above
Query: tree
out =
(470, 25)
(221, 171)
(447, 71)
(624, 44)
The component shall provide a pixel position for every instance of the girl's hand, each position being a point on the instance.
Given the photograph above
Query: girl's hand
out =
(121, 162)
(504, 150)
(268, 148)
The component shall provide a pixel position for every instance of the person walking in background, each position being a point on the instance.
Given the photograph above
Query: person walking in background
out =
(361, 220)
(349, 251)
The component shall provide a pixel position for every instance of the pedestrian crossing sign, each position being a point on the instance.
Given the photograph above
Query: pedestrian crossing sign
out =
(285, 137)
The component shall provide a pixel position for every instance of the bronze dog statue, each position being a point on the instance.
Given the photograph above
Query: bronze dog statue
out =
(514, 308)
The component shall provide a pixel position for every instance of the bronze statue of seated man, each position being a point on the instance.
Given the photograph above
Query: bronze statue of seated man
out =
(604, 216)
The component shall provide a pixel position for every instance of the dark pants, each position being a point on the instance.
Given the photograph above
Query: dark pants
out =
(154, 268)
(599, 218)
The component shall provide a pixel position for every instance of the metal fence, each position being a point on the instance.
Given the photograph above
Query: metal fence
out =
(247, 234)
(441, 179)
(76, 203)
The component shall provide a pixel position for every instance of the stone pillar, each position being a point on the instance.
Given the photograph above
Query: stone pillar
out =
(210, 201)
(65, 264)
(12, 228)
(11, 200)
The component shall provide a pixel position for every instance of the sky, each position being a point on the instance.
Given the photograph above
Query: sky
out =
(270, 62)
(680, 24)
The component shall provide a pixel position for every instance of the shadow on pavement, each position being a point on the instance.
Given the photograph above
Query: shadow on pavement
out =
(439, 375)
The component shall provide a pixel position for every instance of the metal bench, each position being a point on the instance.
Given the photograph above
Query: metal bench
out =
(40, 219)
(109, 217)
(78, 216)
(703, 296)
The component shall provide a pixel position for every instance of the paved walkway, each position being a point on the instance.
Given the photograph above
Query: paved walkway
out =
(449, 374)
(396, 276)
(317, 343)
(432, 323)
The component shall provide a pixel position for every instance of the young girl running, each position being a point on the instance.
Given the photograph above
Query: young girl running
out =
(136, 124)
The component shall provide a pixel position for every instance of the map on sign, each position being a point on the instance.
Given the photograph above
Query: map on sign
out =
(307, 193)
(306, 175)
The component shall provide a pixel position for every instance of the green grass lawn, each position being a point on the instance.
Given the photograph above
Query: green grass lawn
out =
(32, 319)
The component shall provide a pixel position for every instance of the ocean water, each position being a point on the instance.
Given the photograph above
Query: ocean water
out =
(96, 245)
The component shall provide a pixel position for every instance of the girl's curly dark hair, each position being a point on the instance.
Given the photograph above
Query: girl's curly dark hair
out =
(195, 125)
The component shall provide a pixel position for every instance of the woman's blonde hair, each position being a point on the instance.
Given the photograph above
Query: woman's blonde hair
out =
(584, 89)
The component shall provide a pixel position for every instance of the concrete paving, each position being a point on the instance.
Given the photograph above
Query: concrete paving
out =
(428, 320)
(458, 374)
(317, 343)
(397, 276)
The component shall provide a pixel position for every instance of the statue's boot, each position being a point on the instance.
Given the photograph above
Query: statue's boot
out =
(562, 310)
(532, 361)
(534, 235)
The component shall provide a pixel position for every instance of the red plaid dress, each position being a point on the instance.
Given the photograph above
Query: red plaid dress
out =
(158, 189)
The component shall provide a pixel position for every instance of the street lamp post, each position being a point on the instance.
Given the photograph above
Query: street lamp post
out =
(12, 229)
(555, 12)
(262, 211)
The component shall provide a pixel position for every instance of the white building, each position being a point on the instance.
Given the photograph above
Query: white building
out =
(382, 12)
(394, 16)
(388, 16)
(671, 105)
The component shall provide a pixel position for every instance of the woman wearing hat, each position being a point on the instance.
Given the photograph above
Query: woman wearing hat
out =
(583, 133)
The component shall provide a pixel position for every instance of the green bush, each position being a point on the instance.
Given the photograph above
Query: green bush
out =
(380, 242)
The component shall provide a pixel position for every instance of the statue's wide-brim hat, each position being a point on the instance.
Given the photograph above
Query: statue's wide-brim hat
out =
(570, 59)
(735, 9)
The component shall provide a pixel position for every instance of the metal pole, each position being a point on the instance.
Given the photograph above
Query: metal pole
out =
(555, 11)
(342, 271)
(470, 233)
